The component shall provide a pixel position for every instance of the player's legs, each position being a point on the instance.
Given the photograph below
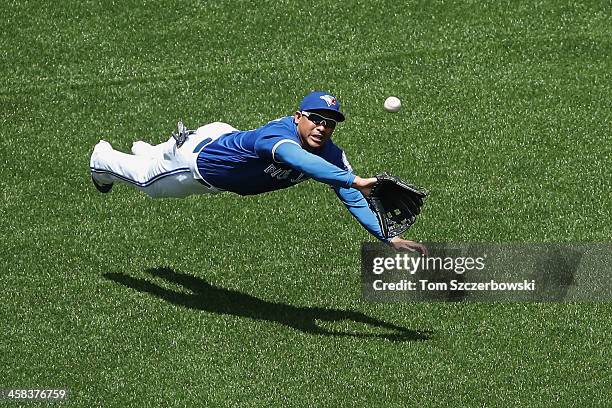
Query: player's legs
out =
(162, 170)
(158, 176)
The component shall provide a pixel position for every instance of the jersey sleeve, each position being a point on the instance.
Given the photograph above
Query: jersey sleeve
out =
(357, 205)
(313, 166)
(272, 135)
(266, 146)
(352, 198)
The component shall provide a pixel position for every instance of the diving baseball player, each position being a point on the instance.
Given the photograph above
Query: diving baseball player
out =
(217, 157)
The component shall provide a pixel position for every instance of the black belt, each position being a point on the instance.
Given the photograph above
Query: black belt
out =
(201, 145)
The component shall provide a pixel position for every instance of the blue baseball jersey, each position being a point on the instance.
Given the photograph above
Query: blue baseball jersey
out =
(247, 162)
(271, 158)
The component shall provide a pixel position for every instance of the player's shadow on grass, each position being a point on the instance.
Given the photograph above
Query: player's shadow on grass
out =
(219, 300)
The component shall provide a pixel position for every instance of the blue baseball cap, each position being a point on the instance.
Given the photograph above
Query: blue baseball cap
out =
(319, 100)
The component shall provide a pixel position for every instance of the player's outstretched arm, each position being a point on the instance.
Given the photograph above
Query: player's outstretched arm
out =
(326, 172)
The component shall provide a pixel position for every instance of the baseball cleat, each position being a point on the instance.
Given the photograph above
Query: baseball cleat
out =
(103, 188)
(181, 134)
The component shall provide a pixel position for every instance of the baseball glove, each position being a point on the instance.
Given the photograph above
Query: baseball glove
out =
(395, 203)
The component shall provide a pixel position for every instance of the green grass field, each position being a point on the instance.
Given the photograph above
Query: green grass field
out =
(212, 301)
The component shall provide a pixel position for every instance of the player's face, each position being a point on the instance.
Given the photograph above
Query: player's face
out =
(314, 129)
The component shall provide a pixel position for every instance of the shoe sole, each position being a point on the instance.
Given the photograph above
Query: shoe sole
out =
(103, 188)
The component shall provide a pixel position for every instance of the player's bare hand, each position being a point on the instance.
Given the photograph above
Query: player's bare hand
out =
(364, 184)
(406, 245)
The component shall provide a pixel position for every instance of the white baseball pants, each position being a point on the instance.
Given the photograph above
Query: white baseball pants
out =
(162, 170)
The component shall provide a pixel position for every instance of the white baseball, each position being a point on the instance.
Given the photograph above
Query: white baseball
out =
(392, 104)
